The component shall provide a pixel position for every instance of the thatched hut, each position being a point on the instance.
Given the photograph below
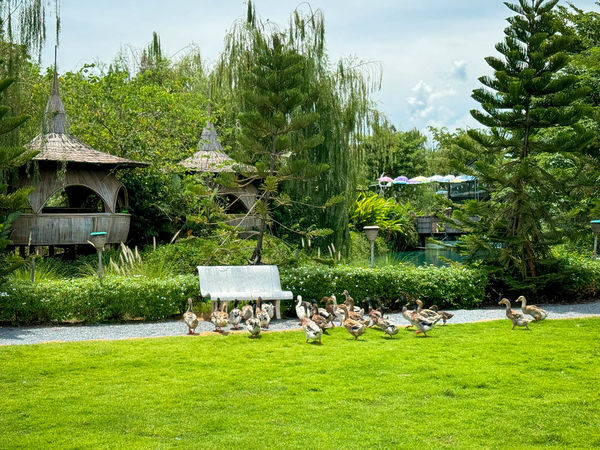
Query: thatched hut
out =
(211, 158)
(75, 188)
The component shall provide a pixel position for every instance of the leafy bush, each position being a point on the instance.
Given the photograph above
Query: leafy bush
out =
(568, 277)
(454, 286)
(85, 299)
(394, 219)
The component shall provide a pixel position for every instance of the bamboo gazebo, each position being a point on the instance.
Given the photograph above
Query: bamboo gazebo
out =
(211, 158)
(75, 189)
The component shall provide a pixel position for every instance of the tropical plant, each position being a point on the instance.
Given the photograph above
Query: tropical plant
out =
(396, 221)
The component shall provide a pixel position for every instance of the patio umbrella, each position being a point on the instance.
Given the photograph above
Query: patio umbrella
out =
(418, 180)
(401, 180)
(385, 179)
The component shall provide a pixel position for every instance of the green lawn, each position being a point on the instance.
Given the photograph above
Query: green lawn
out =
(466, 386)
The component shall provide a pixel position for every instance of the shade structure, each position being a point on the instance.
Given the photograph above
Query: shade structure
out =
(436, 178)
(401, 180)
(385, 179)
(418, 180)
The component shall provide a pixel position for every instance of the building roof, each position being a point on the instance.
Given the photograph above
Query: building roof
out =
(210, 156)
(64, 147)
(56, 144)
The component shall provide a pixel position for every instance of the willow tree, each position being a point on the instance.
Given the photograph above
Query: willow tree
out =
(338, 95)
(22, 37)
(11, 200)
(532, 109)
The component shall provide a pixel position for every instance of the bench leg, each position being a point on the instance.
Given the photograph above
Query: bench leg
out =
(277, 309)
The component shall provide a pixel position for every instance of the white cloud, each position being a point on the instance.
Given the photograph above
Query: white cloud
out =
(427, 102)
(459, 70)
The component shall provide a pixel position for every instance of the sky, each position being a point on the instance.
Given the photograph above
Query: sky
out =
(431, 52)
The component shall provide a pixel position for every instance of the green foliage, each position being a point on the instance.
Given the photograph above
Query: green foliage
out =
(395, 220)
(393, 152)
(567, 277)
(273, 123)
(531, 108)
(11, 200)
(336, 99)
(448, 287)
(155, 116)
(87, 300)
(184, 256)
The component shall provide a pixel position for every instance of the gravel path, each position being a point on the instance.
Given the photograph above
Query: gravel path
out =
(40, 334)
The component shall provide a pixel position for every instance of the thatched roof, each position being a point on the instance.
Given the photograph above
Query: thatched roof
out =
(56, 144)
(210, 156)
(64, 147)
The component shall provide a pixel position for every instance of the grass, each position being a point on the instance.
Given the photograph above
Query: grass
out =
(474, 385)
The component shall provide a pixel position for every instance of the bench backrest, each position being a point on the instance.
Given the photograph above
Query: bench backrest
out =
(238, 279)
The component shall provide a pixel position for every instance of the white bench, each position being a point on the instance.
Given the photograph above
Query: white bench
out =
(242, 283)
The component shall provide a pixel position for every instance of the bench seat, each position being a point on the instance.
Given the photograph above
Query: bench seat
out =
(242, 283)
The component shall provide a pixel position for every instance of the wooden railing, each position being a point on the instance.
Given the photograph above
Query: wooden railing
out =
(68, 229)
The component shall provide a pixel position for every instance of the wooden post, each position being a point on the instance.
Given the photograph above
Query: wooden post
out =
(100, 264)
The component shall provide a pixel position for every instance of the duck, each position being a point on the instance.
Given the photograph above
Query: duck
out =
(423, 324)
(262, 316)
(354, 327)
(517, 319)
(331, 310)
(235, 316)
(318, 318)
(247, 311)
(425, 312)
(269, 308)
(445, 314)
(312, 330)
(302, 307)
(190, 319)
(534, 311)
(374, 315)
(219, 318)
(323, 312)
(337, 312)
(253, 324)
(406, 313)
(349, 302)
(388, 328)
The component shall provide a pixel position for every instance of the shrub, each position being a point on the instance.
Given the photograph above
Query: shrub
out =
(85, 299)
(454, 286)
(568, 277)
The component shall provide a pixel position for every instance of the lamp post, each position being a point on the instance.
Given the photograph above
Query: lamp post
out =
(371, 232)
(595, 229)
(98, 239)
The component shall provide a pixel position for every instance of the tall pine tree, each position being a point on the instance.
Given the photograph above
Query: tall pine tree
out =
(275, 90)
(532, 109)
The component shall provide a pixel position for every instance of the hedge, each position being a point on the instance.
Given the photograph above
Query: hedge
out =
(454, 286)
(85, 299)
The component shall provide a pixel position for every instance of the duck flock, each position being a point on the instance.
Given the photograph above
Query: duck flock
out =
(315, 320)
